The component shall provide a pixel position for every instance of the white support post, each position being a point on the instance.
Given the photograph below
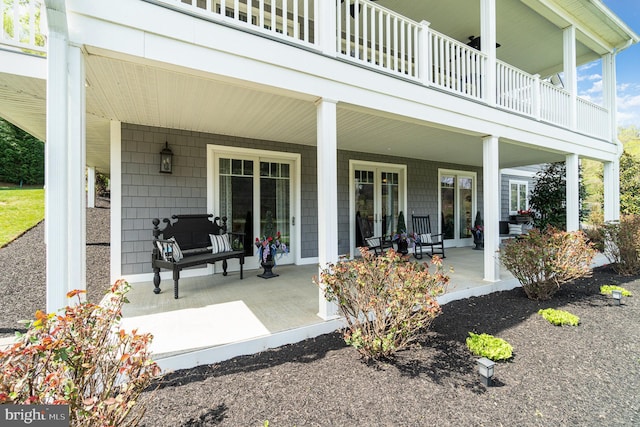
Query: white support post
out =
(573, 192)
(424, 54)
(536, 107)
(56, 165)
(491, 196)
(326, 35)
(612, 191)
(327, 196)
(91, 187)
(488, 46)
(571, 72)
(609, 92)
(115, 180)
(77, 260)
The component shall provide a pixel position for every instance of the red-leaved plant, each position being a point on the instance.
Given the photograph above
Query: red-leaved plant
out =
(387, 301)
(81, 359)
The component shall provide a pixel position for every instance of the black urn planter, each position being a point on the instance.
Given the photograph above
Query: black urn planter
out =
(478, 240)
(403, 246)
(268, 268)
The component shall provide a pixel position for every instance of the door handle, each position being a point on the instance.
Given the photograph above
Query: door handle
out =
(293, 220)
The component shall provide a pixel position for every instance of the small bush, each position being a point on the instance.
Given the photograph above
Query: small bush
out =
(485, 345)
(544, 260)
(606, 290)
(79, 358)
(595, 235)
(559, 317)
(622, 244)
(386, 300)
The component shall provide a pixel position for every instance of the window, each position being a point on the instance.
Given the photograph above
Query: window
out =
(518, 196)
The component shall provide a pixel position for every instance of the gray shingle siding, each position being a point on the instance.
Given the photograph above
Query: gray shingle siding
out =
(148, 194)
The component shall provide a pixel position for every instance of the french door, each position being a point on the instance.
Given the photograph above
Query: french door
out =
(378, 195)
(254, 190)
(457, 206)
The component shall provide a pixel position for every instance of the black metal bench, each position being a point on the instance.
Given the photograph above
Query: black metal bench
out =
(185, 242)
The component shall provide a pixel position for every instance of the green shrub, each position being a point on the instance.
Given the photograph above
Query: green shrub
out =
(606, 290)
(79, 358)
(559, 317)
(485, 345)
(386, 300)
(544, 260)
(622, 244)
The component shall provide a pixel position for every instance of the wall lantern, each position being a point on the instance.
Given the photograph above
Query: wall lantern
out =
(617, 296)
(166, 159)
(485, 369)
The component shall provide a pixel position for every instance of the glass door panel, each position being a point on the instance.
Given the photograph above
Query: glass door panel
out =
(236, 199)
(448, 200)
(275, 202)
(364, 199)
(390, 202)
(465, 194)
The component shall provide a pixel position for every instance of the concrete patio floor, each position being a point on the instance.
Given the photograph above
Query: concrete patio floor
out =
(215, 310)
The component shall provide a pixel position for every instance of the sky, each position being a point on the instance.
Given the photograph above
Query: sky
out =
(627, 69)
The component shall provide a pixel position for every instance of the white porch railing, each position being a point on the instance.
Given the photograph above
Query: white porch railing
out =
(368, 34)
(377, 37)
(24, 25)
(593, 119)
(454, 66)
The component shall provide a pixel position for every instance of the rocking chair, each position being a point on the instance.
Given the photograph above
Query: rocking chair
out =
(425, 238)
(377, 244)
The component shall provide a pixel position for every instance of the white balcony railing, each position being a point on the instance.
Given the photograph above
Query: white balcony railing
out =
(368, 34)
(24, 25)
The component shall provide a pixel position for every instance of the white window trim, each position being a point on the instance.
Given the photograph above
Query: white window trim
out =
(518, 182)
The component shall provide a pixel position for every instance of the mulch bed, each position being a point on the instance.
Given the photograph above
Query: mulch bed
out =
(585, 376)
(559, 376)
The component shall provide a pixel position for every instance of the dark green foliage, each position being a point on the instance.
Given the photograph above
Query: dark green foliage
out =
(402, 226)
(478, 222)
(629, 184)
(102, 182)
(549, 195)
(21, 156)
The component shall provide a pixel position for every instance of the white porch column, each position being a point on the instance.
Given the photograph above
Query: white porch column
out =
(488, 46)
(609, 91)
(77, 163)
(327, 194)
(424, 54)
(573, 192)
(326, 27)
(612, 191)
(115, 179)
(571, 72)
(491, 196)
(56, 162)
(91, 187)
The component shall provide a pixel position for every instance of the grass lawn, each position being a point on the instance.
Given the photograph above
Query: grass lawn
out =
(20, 209)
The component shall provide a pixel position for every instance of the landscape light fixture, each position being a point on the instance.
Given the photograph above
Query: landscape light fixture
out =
(166, 159)
(485, 369)
(617, 296)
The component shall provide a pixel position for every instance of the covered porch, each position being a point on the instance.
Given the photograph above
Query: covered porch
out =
(219, 317)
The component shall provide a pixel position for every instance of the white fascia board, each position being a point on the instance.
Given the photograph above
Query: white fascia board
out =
(22, 64)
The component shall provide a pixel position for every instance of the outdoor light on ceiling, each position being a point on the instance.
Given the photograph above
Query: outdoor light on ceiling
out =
(485, 369)
(474, 42)
(166, 159)
(617, 296)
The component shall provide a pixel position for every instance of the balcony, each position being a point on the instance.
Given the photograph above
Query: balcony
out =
(370, 36)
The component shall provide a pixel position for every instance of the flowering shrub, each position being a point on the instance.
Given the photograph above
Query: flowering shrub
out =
(386, 300)
(622, 244)
(542, 260)
(78, 358)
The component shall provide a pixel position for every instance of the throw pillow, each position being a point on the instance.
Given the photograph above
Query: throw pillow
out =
(372, 242)
(426, 238)
(515, 229)
(220, 243)
(177, 253)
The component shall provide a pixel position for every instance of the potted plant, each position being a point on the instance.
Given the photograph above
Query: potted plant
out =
(269, 245)
(401, 238)
(478, 232)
